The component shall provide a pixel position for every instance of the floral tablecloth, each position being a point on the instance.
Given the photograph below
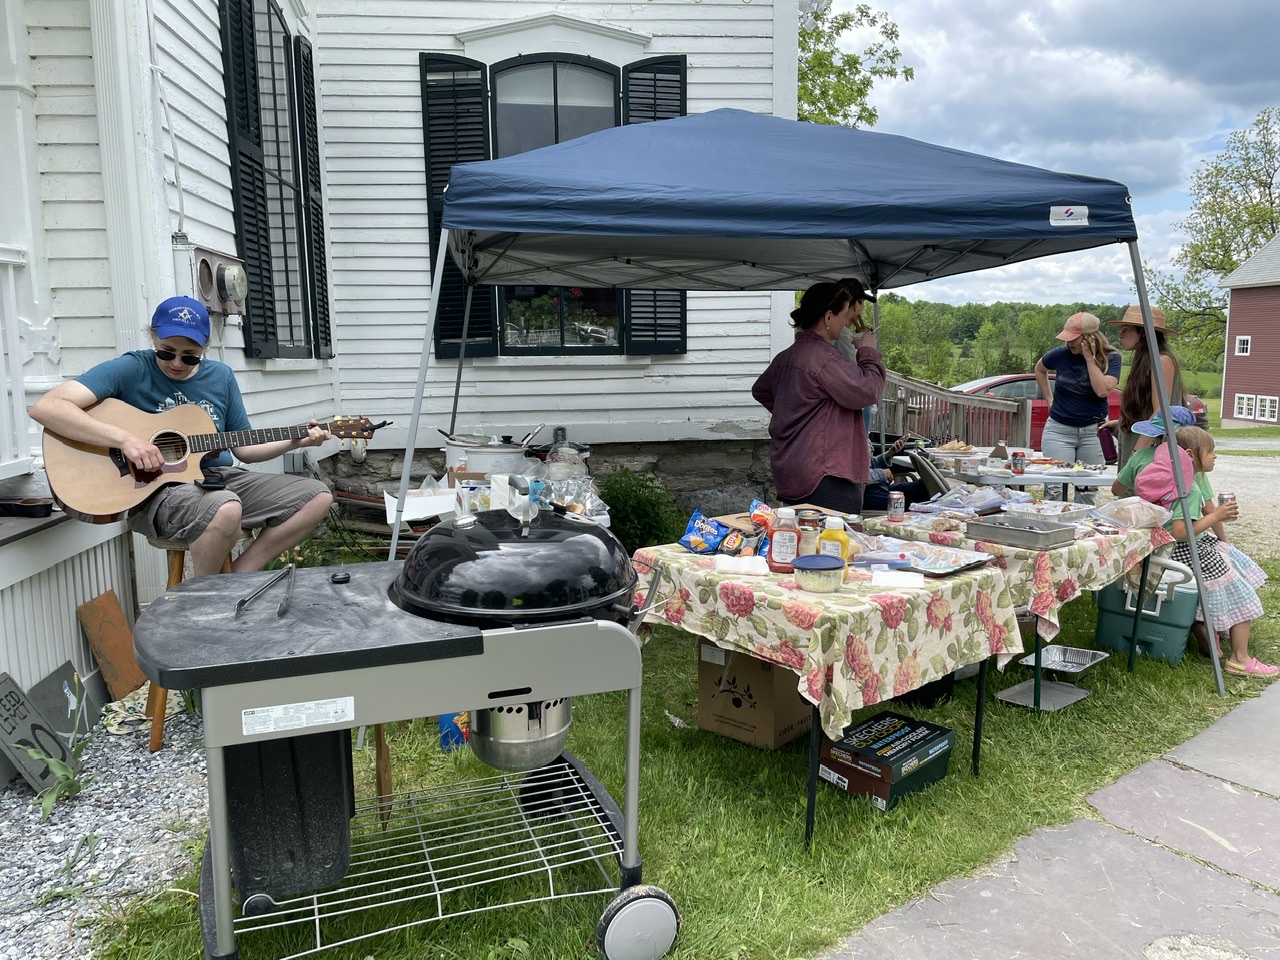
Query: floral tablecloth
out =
(1043, 580)
(853, 648)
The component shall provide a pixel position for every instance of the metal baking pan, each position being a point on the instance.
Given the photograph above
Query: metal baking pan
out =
(1032, 533)
(946, 571)
(1056, 658)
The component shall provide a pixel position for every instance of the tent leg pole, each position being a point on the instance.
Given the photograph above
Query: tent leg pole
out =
(442, 251)
(1162, 391)
(462, 355)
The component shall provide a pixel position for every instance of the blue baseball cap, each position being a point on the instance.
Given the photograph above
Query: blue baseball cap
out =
(1182, 417)
(181, 317)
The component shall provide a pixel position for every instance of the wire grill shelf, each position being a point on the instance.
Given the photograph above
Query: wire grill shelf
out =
(527, 837)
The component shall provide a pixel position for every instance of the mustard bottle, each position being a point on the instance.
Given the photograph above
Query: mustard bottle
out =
(833, 540)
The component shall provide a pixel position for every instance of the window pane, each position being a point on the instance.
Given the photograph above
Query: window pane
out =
(591, 317)
(532, 317)
(586, 100)
(525, 107)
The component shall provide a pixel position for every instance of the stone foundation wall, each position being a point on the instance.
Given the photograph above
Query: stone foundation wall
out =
(717, 477)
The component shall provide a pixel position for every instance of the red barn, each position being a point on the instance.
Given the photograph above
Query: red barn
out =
(1251, 372)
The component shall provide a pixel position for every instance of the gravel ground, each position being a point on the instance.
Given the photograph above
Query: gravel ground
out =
(124, 836)
(1253, 481)
(121, 838)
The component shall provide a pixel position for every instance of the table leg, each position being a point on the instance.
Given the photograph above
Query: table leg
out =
(1137, 613)
(220, 847)
(978, 714)
(1036, 670)
(815, 748)
(630, 862)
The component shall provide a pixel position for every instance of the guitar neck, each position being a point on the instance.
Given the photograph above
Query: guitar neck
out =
(207, 442)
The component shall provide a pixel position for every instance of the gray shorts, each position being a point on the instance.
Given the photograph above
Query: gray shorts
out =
(181, 511)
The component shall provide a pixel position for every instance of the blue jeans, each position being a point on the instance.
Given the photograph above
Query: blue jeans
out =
(1061, 442)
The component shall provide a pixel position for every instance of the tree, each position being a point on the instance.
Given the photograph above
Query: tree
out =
(1235, 209)
(835, 84)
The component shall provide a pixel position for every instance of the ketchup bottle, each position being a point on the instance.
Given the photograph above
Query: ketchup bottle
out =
(784, 542)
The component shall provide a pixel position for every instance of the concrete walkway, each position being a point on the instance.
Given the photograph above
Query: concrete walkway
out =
(1183, 865)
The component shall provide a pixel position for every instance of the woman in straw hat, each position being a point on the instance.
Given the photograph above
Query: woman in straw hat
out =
(1139, 399)
(1088, 368)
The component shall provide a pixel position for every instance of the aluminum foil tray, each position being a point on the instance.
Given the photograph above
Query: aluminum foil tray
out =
(1032, 533)
(1059, 659)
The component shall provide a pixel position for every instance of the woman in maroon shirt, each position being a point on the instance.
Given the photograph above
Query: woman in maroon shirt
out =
(816, 398)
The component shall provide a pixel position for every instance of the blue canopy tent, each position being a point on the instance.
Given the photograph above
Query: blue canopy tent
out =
(733, 200)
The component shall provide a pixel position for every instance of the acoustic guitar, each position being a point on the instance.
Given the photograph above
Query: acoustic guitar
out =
(99, 484)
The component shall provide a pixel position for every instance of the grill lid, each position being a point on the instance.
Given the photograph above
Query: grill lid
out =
(488, 567)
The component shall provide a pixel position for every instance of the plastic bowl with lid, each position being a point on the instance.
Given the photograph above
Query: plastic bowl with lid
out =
(819, 572)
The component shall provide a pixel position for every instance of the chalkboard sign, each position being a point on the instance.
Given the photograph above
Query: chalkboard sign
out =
(22, 725)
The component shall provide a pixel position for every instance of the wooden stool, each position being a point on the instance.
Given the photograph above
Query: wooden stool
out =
(158, 696)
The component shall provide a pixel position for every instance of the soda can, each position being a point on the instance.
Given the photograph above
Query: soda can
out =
(1225, 498)
(1018, 462)
(897, 507)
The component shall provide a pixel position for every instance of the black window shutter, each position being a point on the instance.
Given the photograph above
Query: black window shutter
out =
(313, 199)
(654, 89)
(248, 175)
(455, 130)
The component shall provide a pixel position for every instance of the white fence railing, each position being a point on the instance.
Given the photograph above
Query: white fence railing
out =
(15, 453)
(927, 410)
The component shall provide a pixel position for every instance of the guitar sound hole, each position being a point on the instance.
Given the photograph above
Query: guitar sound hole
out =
(173, 446)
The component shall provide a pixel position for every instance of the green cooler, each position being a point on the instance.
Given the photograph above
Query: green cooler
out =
(1166, 616)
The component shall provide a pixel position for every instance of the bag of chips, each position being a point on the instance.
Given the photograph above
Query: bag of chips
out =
(762, 514)
(703, 534)
(739, 544)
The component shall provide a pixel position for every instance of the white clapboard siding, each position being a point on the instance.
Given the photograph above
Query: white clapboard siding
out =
(189, 54)
(43, 579)
(376, 203)
(71, 190)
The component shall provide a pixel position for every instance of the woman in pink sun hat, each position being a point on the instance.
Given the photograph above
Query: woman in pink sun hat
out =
(1087, 370)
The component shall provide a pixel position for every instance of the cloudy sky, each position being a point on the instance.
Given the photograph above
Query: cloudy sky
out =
(1140, 91)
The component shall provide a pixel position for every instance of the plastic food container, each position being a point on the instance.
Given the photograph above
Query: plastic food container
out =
(1047, 508)
(819, 572)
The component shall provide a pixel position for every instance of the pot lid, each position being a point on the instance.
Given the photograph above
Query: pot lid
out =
(466, 439)
(490, 567)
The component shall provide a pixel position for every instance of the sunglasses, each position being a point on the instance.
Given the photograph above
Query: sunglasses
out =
(189, 359)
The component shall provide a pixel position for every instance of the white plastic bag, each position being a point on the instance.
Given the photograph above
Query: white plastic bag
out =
(1136, 512)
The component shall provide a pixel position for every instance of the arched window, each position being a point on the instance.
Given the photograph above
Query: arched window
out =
(537, 101)
(534, 101)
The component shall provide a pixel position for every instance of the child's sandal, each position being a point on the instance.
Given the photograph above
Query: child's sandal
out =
(1253, 667)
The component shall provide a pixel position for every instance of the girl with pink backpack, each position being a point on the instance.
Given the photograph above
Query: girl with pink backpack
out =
(1231, 577)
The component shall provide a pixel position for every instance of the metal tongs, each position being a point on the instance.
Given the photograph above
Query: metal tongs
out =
(288, 571)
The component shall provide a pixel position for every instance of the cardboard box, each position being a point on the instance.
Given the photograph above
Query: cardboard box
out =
(886, 757)
(748, 699)
(457, 477)
(742, 521)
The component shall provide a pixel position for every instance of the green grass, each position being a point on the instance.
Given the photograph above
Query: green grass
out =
(722, 824)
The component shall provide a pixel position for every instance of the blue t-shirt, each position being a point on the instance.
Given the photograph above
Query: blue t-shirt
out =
(1074, 402)
(136, 378)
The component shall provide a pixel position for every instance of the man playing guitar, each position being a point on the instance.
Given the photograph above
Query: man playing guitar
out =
(209, 515)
